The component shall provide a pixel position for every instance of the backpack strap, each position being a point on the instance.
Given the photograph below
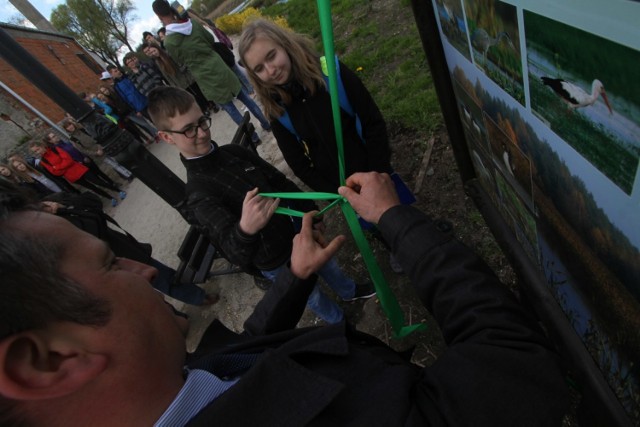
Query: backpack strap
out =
(285, 121)
(343, 100)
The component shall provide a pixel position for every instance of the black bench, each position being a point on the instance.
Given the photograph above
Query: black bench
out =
(197, 255)
(244, 133)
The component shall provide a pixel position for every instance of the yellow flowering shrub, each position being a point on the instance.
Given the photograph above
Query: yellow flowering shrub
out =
(233, 24)
(281, 21)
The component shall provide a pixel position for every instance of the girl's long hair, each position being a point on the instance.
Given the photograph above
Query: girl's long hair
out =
(305, 63)
(25, 176)
(166, 64)
(13, 177)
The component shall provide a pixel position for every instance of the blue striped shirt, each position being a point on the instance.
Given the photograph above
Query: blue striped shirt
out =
(200, 389)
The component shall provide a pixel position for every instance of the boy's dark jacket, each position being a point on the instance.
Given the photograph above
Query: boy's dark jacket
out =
(217, 184)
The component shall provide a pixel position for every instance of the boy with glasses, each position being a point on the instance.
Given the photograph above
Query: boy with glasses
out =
(222, 193)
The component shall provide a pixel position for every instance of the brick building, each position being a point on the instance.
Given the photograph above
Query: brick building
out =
(65, 58)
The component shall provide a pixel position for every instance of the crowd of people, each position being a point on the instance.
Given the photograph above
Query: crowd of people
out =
(54, 164)
(85, 341)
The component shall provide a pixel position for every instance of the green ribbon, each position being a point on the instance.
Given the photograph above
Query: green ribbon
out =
(326, 28)
(387, 299)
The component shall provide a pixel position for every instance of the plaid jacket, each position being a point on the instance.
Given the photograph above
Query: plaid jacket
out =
(216, 186)
(147, 78)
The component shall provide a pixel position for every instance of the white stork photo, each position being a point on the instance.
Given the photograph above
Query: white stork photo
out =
(575, 96)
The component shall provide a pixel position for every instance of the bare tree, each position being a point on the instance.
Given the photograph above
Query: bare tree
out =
(118, 15)
(19, 20)
(101, 26)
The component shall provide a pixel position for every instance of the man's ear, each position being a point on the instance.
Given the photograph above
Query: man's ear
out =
(35, 366)
(165, 136)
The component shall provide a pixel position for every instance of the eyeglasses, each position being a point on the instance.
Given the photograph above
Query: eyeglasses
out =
(191, 131)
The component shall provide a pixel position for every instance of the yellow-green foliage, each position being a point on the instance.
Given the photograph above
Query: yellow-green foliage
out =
(282, 22)
(232, 24)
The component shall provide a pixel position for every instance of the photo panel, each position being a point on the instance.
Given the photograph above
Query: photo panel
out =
(495, 43)
(583, 88)
(452, 25)
(471, 116)
(517, 215)
(508, 157)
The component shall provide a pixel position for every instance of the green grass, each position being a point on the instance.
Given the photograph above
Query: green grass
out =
(394, 66)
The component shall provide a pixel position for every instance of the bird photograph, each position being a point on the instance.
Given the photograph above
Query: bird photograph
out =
(494, 42)
(481, 41)
(453, 25)
(508, 157)
(568, 71)
(575, 96)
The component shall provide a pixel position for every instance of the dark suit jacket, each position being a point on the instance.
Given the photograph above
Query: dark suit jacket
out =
(498, 369)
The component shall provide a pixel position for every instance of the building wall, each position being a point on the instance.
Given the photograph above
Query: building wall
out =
(63, 56)
(20, 126)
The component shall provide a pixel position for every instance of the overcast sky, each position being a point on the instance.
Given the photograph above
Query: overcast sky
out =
(145, 19)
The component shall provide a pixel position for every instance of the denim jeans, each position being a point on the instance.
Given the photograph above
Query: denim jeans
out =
(246, 85)
(122, 171)
(144, 123)
(318, 301)
(231, 109)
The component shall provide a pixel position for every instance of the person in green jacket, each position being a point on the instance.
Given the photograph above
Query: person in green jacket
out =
(176, 75)
(190, 44)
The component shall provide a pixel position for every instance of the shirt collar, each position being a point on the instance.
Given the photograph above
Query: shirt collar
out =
(211, 150)
(200, 389)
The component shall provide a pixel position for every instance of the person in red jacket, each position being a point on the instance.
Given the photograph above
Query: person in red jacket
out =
(60, 163)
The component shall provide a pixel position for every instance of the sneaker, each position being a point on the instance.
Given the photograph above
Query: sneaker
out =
(395, 265)
(114, 203)
(363, 291)
(123, 195)
(262, 283)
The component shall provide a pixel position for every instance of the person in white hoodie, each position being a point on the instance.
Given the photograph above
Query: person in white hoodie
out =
(190, 44)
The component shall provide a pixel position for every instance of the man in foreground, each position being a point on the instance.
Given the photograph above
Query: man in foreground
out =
(85, 341)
